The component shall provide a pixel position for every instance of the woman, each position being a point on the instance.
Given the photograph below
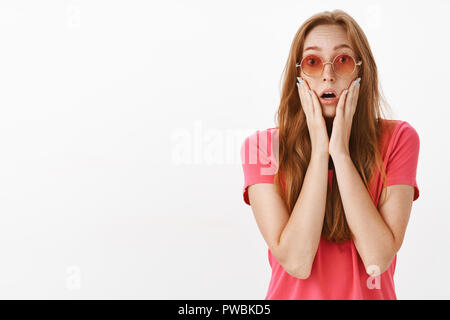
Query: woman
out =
(331, 187)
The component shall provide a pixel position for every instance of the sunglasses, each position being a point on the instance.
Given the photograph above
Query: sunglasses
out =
(343, 65)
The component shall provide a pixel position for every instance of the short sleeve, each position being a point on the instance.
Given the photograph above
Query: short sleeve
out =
(258, 159)
(401, 167)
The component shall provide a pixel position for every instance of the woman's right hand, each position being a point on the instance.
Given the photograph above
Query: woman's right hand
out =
(314, 118)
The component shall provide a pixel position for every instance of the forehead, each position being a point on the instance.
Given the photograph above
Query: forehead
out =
(326, 37)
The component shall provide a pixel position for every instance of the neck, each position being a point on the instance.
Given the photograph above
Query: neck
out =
(329, 123)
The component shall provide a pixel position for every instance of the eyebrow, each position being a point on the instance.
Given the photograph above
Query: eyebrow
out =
(335, 48)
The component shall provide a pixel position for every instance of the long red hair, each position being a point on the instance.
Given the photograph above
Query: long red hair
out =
(294, 140)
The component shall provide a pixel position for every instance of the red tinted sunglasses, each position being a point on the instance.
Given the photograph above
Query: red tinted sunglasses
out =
(343, 65)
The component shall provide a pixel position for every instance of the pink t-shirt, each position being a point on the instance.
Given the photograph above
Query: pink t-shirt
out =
(338, 272)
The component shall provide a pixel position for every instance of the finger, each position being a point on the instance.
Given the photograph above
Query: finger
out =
(356, 96)
(316, 102)
(341, 102)
(349, 99)
(305, 97)
(310, 93)
(350, 106)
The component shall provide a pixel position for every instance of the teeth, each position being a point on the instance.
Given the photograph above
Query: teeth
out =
(328, 92)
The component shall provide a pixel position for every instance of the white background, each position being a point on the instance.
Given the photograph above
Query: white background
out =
(120, 129)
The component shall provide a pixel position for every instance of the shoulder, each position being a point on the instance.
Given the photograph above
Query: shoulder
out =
(401, 147)
(405, 133)
(262, 132)
(261, 139)
(261, 146)
(397, 131)
(396, 126)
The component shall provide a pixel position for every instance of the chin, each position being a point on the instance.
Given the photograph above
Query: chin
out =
(329, 111)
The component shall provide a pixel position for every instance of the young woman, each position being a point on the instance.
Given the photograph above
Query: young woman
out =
(331, 187)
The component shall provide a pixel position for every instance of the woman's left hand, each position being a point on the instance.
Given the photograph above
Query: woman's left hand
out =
(342, 123)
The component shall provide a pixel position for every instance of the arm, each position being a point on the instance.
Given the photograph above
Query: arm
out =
(376, 242)
(294, 240)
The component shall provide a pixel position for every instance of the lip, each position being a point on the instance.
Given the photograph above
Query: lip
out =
(329, 101)
(328, 90)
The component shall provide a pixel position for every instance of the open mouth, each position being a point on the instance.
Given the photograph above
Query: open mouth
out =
(328, 96)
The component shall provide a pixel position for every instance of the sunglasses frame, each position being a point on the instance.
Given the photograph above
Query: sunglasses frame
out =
(359, 63)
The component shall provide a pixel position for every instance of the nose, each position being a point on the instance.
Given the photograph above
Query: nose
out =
(328, 73)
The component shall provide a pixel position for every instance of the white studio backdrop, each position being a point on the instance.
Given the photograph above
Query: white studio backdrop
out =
(120, 130)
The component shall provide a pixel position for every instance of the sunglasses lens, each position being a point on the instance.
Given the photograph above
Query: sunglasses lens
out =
(344, 64)
(312, 65)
